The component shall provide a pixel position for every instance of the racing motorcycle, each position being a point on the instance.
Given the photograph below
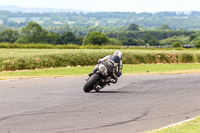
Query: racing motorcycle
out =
(104, 74)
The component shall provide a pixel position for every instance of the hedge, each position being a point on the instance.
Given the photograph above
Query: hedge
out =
(86, 59)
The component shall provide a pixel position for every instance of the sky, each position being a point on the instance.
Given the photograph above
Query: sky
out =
(110, 5)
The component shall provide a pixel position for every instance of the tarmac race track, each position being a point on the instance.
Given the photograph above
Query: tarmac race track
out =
(135, 104)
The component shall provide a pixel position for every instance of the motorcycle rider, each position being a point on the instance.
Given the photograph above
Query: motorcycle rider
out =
(114, 65)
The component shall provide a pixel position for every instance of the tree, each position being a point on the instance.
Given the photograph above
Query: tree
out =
(197, 44)
(9, 35)
(79, 40)
(176, 44)
(133, 27)
(11, 24)
(96, 38)
(33, 33)
(5, 20)
(53, 38)
(165, 27)
(194, 36)
(68, 37)
(2, 27)
(171, 40)
(114, 41)
(146, 37)
(141, 42)
(153, 42)
(129, 41)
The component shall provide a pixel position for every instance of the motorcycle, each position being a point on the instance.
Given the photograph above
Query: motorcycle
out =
(104, 74)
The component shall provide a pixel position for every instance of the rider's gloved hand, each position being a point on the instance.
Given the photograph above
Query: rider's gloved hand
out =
(119, 74)
(99, 61)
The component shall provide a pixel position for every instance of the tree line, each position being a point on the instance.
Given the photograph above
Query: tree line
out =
(34, 33)
(132, 35)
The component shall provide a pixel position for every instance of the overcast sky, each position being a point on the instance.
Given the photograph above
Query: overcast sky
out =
(111, 5)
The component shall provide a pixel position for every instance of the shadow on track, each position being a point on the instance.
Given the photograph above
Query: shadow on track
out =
(111, 92)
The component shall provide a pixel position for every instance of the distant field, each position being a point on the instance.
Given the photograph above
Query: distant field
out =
(35, 19)
(13, 53)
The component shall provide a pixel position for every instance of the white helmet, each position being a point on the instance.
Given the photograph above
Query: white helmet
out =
(118, 53)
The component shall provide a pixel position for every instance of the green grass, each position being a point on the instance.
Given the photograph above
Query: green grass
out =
(51, 71)
(159, 67)
(187, 127)
(127, 69)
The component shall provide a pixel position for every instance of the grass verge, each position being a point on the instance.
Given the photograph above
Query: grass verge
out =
(127, 70)
(192, 126)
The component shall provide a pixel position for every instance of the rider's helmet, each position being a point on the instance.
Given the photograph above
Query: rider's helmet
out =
(118, 53)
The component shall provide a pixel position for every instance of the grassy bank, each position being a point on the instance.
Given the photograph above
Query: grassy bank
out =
(127, 69)
(186, 127)
(20, 59)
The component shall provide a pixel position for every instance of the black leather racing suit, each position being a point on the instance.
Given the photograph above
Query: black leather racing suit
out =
(113, 63)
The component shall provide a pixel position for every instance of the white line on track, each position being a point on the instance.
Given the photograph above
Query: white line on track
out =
(176, 124)
(6, 80)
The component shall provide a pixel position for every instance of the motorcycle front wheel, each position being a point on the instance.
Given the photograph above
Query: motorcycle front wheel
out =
(89, 85)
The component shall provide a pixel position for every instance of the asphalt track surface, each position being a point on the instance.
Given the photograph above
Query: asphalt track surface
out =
(135, 104)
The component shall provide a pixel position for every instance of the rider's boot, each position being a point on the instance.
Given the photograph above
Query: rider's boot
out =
(113, 80)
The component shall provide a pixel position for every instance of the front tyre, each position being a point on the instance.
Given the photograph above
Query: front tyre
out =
(89, 85)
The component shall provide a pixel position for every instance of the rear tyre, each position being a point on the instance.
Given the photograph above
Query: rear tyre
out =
(89, 85)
